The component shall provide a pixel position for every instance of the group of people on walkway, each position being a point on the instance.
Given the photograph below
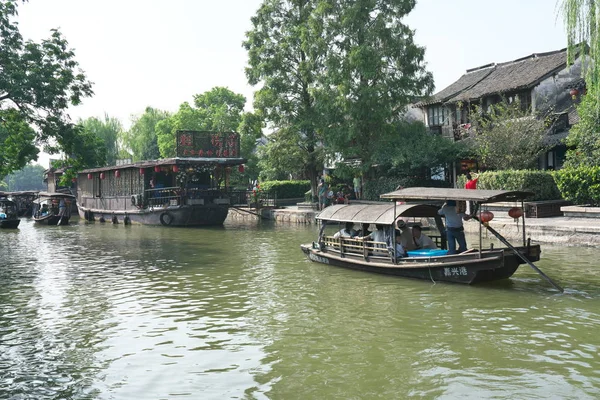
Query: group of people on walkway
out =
(327, 196)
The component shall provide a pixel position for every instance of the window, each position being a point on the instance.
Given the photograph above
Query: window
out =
(436, 115)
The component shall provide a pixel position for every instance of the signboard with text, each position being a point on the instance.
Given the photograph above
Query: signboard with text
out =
(208, 144)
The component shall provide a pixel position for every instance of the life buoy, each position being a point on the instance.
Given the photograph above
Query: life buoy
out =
(166, 218)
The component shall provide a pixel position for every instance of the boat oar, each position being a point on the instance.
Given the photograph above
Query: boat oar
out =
(518, 253)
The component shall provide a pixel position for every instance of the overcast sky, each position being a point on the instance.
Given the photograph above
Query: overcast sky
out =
(143, 53)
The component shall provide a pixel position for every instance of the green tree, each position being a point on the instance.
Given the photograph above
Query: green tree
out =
(17, 140)
(31, 177)
(142, 138)
(108, 131)
(286, 49)
(39, 81)
(373, 71)
(508, 136)
(250, 131)
(219, 110)
(582, 20)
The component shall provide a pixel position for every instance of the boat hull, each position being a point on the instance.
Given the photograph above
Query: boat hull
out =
(9, 223)
(463, 268)
(187, 215)
(52, 220)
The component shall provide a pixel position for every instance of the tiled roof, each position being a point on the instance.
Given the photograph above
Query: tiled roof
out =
(505, 77)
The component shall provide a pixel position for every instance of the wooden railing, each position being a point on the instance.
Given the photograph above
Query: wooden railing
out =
(357, 247)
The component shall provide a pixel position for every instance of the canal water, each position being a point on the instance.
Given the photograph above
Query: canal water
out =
(94, 311)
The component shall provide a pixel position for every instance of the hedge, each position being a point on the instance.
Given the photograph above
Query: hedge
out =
(581, 185)
(542, 183)
(286, 189)
(374, 188)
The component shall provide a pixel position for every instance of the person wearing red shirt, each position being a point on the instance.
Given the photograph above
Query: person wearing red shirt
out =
(471, 182)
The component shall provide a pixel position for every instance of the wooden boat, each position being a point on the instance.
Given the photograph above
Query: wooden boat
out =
(52, 208)
(8, 213)
(191, 189)
(24, 200)
(472, 266)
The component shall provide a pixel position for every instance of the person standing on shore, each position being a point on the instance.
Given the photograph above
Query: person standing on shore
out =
(357, 187)
(472, 179)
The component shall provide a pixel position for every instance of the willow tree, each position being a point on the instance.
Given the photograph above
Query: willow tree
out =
(374, 69)
(285, 53)
(582, 21)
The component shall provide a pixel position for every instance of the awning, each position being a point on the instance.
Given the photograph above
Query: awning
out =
(375, 213)
(481, 196)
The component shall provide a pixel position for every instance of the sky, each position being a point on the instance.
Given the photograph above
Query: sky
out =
(141, 53)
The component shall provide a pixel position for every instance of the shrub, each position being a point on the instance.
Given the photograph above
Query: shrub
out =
(581, 185)
(286, 189)
(540, 182)
(374, 188)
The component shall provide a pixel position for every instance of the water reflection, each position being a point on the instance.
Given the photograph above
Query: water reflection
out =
(102, 311)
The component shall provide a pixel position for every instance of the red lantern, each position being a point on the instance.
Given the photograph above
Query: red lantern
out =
(175, 168)
(89, 176)
(574, 92)
(157, 169)
(117, 174)
(102, 175)
(241, 168)
(142, 171)
(515, 213)
(74, 180)
(486, 216)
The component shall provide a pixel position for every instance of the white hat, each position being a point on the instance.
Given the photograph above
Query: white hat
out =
(401, 224)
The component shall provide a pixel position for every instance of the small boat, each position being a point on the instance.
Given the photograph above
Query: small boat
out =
(24, 200)
(52, 208)
(191, 189)
(470, 267)
(8, 213)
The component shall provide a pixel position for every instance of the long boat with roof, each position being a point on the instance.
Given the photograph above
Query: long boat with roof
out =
(191, 189)
(8, 212)
(471, 266)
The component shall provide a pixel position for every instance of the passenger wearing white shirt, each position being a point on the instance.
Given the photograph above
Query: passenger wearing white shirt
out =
(347, 232)
(422, 241)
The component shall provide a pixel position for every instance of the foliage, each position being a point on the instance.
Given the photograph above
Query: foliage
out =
(373, 71)
(372, 189)
(412, 148)
(581, 185)
(37, 84)
(250, 131)
(108, 131)
(286, 189)
(509, 136)
(31, 177)
(141, 139)
(86, 149)
(17, 139)
(219, 110)
(285, 51)
(542, 183)
(582, 19)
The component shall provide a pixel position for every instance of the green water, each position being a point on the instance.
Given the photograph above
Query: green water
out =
(93, 311)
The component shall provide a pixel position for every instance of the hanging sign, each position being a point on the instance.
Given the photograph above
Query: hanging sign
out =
(208, 144)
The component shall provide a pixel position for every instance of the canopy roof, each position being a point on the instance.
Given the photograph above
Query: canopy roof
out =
(375, 213)
(170, 161)
(480, 196)
(57, 195)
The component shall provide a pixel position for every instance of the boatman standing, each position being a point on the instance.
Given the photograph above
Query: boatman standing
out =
(454, 227)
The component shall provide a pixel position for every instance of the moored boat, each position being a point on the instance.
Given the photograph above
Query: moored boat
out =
(472, 266)
(191, 189)
(52, 208)
(8, 213)
(24, 201)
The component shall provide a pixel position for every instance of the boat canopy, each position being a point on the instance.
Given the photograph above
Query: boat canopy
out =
(55, 195)
(384, 214)
(441, 194)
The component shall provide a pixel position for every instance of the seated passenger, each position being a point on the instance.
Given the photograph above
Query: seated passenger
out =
(347, 232)
(376, 236)
(400, 250)
(364, 230)
(421, 240)
(44, 210)
(405, 235)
